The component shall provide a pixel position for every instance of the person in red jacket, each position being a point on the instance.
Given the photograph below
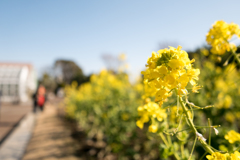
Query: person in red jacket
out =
(39, 98)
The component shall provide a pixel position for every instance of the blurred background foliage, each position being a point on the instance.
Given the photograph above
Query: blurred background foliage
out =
(105, 108)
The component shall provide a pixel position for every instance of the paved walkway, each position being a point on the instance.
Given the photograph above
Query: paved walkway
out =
(10, 115)
(51, 139)
(13, 147)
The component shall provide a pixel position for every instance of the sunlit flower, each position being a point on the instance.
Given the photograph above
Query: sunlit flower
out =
(153, 128)
(226, 156)
(149, 111)
(195, 88)
(217, 156)
(235, 156)
(170, 69)
(232, 136)
(220, 34)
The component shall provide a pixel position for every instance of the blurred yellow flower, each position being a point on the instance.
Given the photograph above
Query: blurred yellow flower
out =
(237, 114)
(204, 51)
(217, 156)
(227, 102)
(230, 117)
(235, 156)
(195, 88)
(226, 156)
(122, 57)
(220, 34)
(232, 136)
(125, 116)
(153, 128)
(149, 111)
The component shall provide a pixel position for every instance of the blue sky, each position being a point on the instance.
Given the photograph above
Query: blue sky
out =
(39, 32)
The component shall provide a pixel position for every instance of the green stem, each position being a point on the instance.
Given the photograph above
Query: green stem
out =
(203, 155)
(166, 143)
(215, 150)
(208, 126)
(176, 156)
(170, 143)
(236, 57)
(187, 114)
(193, 148)
(182, 150)
(183, 130)
(192, 126)
(237, 149)
(210, 132)
(169, 140)
(163, 139)
(190, 129)
(168, 133)
(180, 121)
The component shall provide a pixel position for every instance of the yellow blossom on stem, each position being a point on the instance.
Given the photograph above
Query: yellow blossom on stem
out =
(149, 111)
(220, 34)
(170, 69)
(232, 136)
(226, 156)
(153, 128)
(235, 156)
(195, 88)
(217, 156)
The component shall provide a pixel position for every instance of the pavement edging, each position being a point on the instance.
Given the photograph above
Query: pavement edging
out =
(13, 148)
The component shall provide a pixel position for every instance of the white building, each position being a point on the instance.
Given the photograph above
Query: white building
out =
(18, 82)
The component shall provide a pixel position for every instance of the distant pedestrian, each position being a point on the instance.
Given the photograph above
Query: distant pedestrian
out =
(39, 98)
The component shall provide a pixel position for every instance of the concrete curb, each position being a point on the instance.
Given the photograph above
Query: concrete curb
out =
(13, 148)
(11, 130)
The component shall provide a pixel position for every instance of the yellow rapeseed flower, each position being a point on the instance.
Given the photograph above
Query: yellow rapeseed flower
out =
(229, 116)
(149, 111)
(227, 102)
(125, 116)
(153, 128)
(122, 57)
(220, 34)
(170, 69)
(204, 51)
(226, 156)
(217, 156)
(232, 136)
(235, 156)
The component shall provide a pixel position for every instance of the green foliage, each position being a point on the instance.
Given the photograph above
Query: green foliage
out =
(106, 109)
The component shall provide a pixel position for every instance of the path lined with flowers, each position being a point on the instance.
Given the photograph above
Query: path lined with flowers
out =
(51, 138)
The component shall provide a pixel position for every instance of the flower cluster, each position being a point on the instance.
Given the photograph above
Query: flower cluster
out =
(170, 69)
(226, 156)
(232, 136)
(151, 111)
(106, 107)
(220, 34)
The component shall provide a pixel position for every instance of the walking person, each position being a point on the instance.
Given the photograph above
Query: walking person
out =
(39, 98)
